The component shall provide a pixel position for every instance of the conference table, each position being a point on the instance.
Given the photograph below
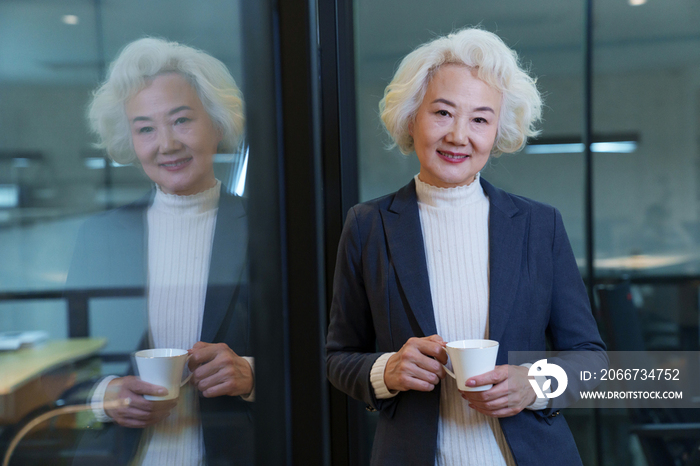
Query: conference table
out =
(36, 376)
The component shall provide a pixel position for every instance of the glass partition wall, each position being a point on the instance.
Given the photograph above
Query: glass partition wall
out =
(262, 287)
(58, 341)
(645, 91)
(646, 65)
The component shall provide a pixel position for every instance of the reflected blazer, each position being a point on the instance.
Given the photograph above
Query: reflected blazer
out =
(111, 252)
(381, 298)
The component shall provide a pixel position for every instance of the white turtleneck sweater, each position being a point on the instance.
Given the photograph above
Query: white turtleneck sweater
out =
(454, 223)
(180, 238)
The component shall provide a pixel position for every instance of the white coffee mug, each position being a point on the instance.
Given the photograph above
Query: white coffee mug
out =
(471, 358)
(163, 367)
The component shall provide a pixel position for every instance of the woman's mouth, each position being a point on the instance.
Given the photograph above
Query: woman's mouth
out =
(176, 164)
(452, 157)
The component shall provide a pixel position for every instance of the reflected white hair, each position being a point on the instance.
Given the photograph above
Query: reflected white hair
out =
(141, 61)
(495, 64)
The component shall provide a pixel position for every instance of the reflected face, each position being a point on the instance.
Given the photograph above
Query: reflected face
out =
(174, 138)
(455, 127)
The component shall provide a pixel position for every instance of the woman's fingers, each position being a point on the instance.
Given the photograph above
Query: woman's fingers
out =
(219, 387)
(496, 376)
(414, 366)
(140, 412)
(202, 353)
(510, 394)
(217, 384)
(140, 387)
(217, 370)
(432, 349)
(422, 367)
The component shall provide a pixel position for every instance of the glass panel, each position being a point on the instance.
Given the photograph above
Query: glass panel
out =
(646, 86)
(147, 275)
(645, 90)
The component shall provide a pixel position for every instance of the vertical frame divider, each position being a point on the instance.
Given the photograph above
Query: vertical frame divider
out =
(339, 142)
(286, 220)
(589, 186)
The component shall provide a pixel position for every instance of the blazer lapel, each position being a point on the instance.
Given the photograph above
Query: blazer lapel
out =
(507, 230)
(407, 252)
(228, 258)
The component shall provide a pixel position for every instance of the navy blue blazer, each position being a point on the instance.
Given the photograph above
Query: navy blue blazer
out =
(381, 298)
(111, 252)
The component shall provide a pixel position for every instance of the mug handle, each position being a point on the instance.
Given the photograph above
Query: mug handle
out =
(187, 379)
(449, 371)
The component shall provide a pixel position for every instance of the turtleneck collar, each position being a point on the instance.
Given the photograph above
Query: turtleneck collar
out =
(450, 197)
(187, 205)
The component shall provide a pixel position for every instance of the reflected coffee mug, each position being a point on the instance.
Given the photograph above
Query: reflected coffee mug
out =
(163, 367)
(471, 358)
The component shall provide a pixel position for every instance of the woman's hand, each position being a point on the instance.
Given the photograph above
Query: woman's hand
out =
(417, 365)
(510, 394)
(140, 412)
(217, 370)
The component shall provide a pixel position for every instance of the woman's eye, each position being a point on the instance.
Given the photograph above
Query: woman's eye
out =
(480, 120)
(145, 129)
(443, 113)
(182, 120)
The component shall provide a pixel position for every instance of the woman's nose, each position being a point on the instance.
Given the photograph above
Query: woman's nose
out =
(168, 141)
(459, 134)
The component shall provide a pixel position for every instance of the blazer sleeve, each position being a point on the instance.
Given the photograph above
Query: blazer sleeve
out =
(351, 342)
(83, 274)
(571, 322)
(572, 328)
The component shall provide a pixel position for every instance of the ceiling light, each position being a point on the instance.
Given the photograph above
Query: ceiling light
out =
(224, 158)
(73, 20)
(9, 195)
(20, 162)
(637, 2)
(618, 147)
(99, 163)
(94, 163)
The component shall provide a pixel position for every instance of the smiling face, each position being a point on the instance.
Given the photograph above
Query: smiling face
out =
(174, 138)
(455, 127)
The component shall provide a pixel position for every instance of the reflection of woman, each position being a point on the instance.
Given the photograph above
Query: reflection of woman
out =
(171, 108)
(450, 257)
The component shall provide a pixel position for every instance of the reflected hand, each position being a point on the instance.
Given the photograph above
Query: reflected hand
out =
(417, 365)
(217, 370)
(510, 394)
(140, 412)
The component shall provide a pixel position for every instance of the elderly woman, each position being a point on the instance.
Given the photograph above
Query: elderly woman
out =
(450, 257)
(170, 108)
